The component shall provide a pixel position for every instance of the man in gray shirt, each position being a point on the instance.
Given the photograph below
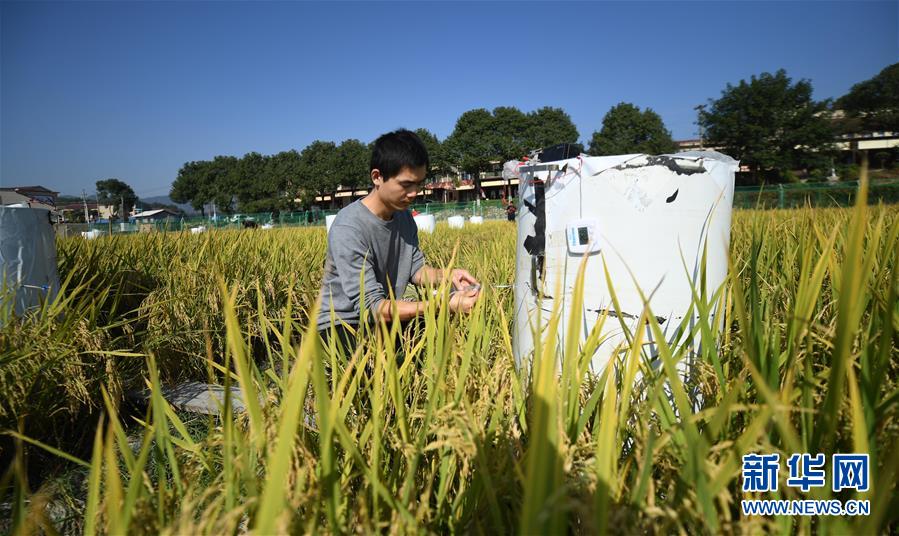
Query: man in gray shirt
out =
(374, 241)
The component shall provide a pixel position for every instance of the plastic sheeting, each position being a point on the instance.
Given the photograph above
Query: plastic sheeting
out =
(426, 223)
(646, 219)
(27, 258)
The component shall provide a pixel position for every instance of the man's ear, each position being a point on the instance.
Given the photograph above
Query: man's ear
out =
(376, 177)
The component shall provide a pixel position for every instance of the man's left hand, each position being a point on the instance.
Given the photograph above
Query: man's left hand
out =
(462, 279)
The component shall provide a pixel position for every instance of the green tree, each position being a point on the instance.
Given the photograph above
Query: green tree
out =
(251, 181)
(511, 133)
(350, 164)
(471, 145)
(115, 192)
(317, 173)
(771, 125)
(440, 165)
(481, 137)
(219, 183)
(284, 173)
(547, 127)
(627, 130)
(267, 183)
(187, 185)
(873, 104)
(206, 181)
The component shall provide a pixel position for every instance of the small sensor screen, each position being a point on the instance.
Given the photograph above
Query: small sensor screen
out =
(583, 236)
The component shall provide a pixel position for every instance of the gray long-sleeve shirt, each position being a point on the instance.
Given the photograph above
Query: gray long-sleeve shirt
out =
(386, 253)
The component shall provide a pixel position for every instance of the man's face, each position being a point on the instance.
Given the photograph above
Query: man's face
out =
(400, 191)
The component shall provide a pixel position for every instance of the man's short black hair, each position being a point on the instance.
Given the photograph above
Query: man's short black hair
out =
(398, 149)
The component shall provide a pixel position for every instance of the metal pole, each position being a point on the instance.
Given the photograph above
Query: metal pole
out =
(86, 215)
(699, 110)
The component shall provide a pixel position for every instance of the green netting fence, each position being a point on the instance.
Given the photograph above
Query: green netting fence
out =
(488, 209)
(838, 194)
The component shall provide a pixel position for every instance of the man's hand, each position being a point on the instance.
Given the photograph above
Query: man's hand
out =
(463, 301)
(462, 280)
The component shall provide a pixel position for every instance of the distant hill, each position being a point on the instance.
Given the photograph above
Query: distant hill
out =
(67, 199)
(145, 202)
(165, 200)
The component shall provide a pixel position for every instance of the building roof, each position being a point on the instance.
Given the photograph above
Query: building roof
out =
(154, 212)
(29, 189)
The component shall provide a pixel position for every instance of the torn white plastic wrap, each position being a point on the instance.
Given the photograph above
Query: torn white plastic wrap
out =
(647, 218)
(27, 258)
(511, 169)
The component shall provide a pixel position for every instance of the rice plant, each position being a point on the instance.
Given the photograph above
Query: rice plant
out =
(452, 437)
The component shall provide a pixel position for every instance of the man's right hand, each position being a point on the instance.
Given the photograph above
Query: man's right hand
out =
(462, 301)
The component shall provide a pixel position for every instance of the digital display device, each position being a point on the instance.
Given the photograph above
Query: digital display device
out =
(583, 236)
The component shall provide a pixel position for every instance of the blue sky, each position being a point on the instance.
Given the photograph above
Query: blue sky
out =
(133, 90)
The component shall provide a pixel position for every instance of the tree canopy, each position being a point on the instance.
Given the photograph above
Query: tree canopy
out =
(317, 167)
(626, 130)
(263, 182)
(207, 181)
(472, 143)
(115, 192)
(481, 137)
(249, 181)
(186, 187)
(550, 126)
(770, 124)
(283, 172)
(437, 153)
(219, 182)
(873, 105)
(257, 182)
(351, 160)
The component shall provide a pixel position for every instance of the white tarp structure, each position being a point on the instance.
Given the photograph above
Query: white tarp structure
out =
(426, 223)
(27, 257)
(646, 218)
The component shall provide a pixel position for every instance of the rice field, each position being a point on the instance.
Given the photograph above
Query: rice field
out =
(453, 438)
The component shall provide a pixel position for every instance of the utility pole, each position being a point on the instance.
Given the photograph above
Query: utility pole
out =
(122, 226)
(700, 109)
(84, 200)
